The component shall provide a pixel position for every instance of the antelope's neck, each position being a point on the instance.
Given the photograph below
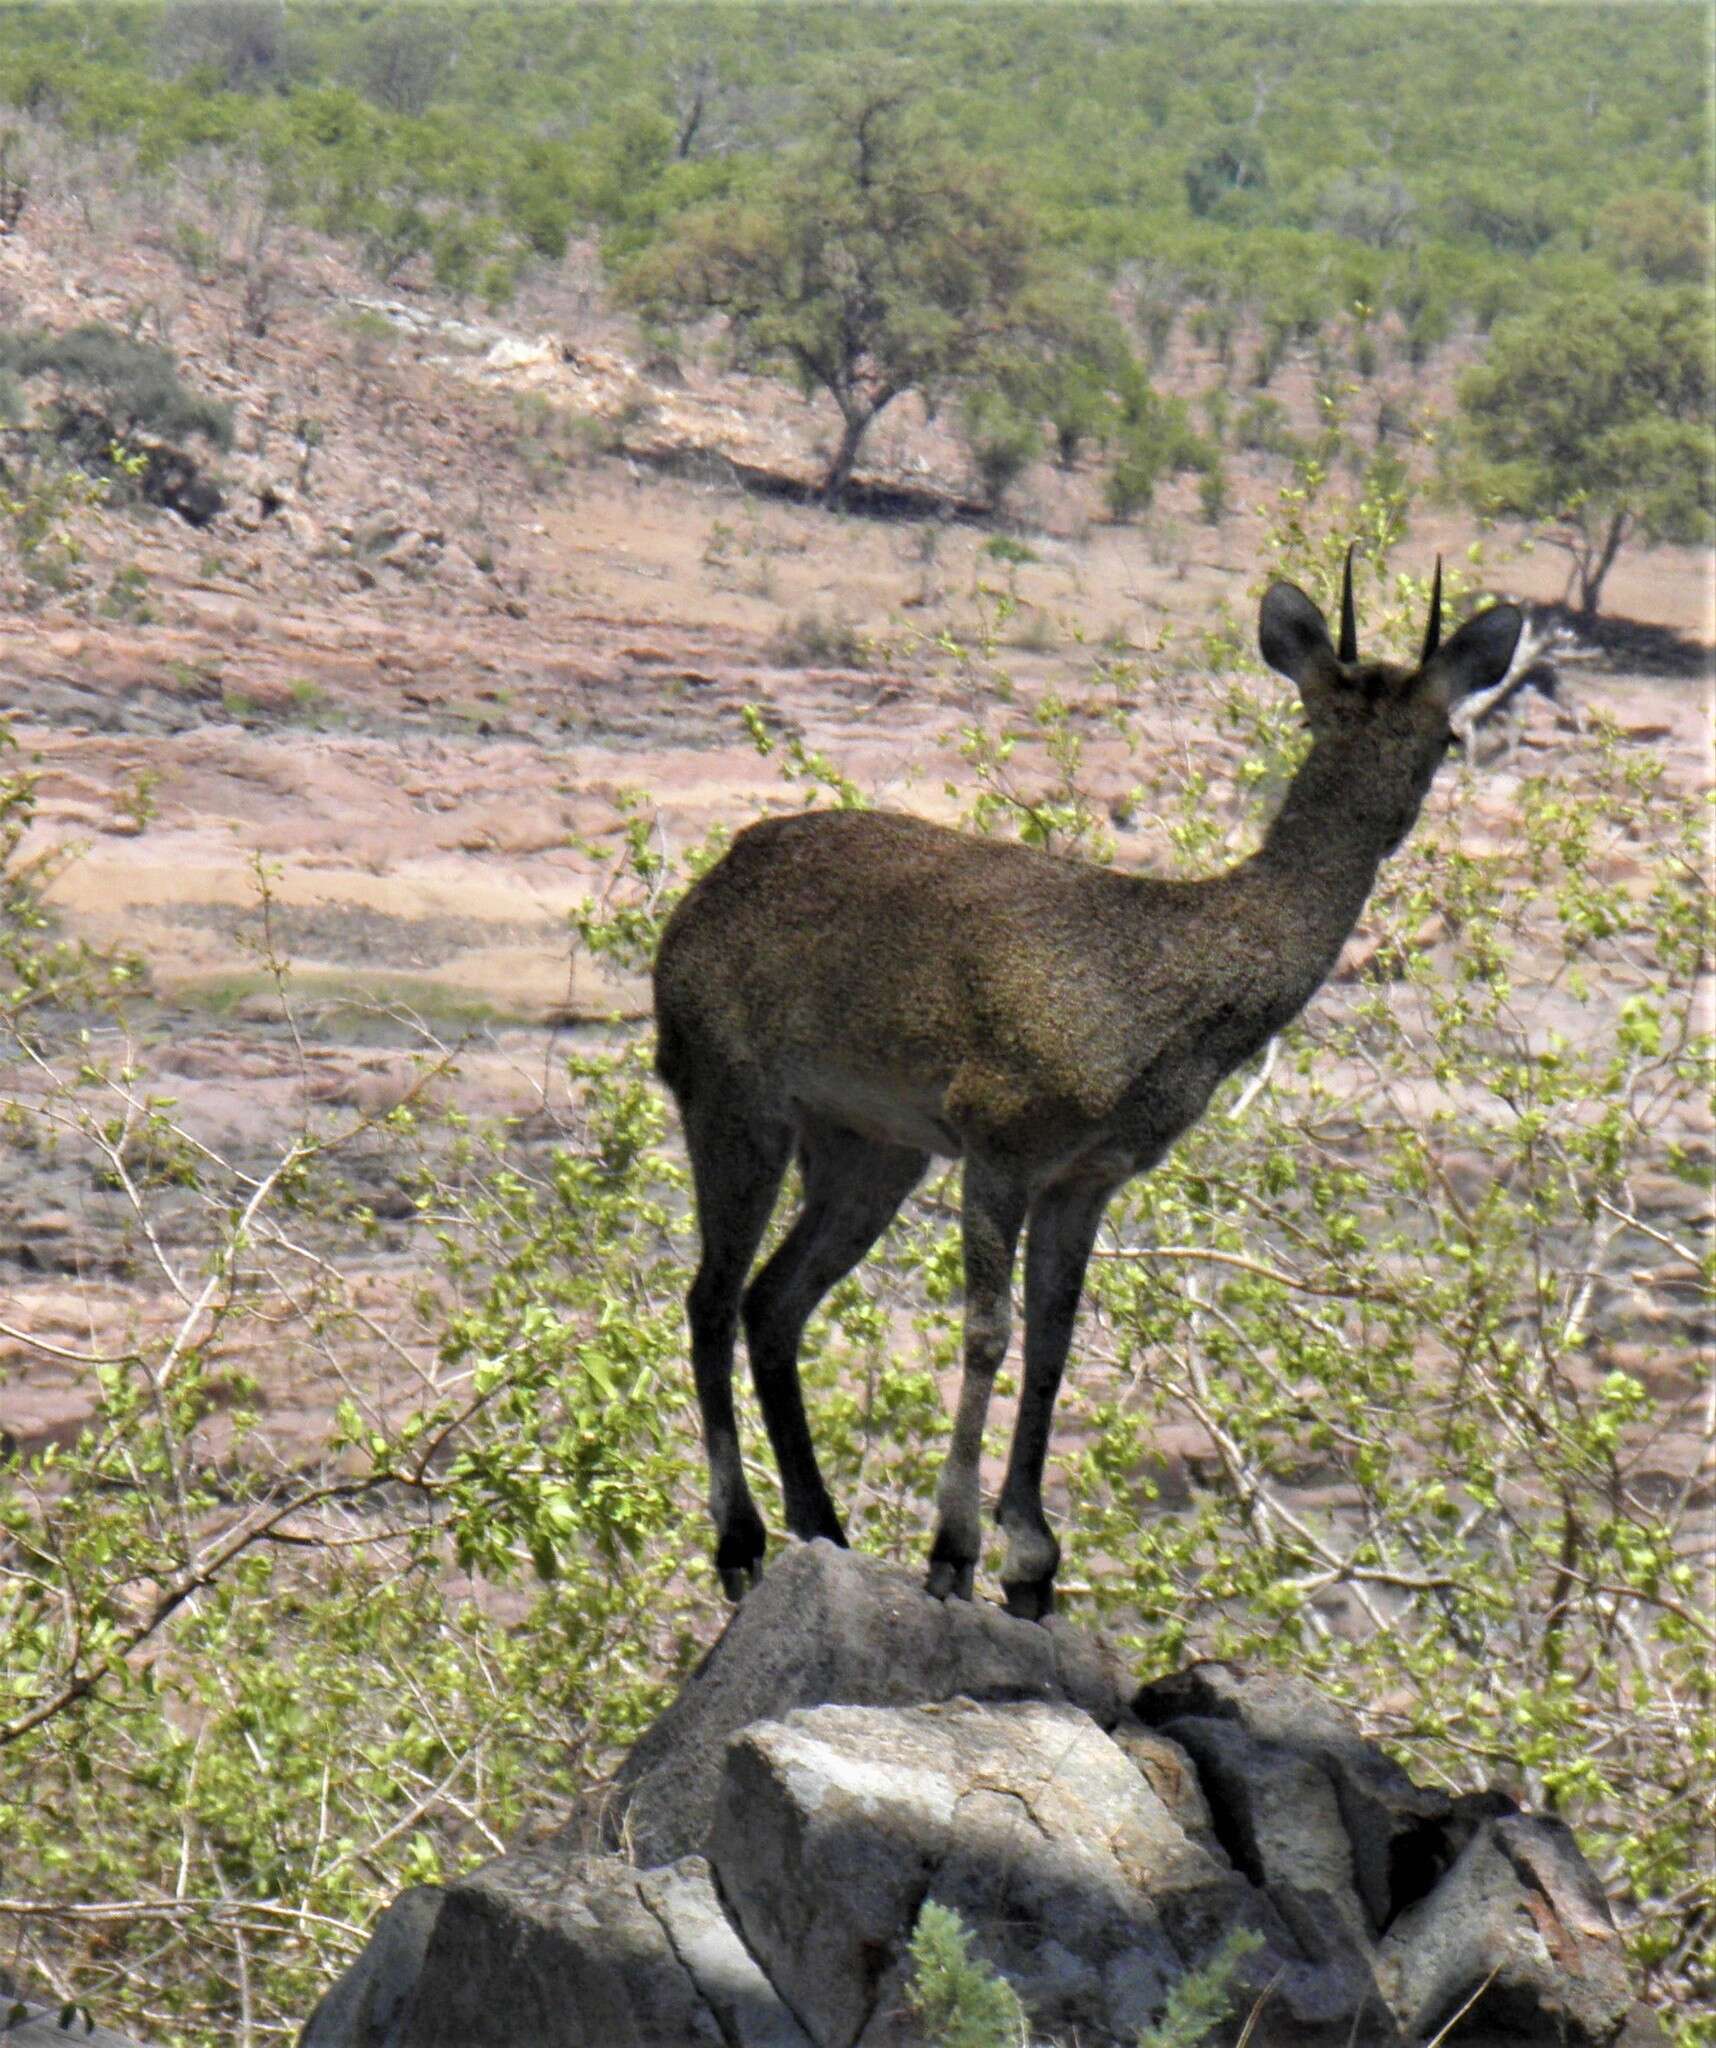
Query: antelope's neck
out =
(1318, 862)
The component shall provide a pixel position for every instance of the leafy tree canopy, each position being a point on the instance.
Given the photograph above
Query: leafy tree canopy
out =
(875, 261)
(1664, 234)
(1223, 142)
(1596, 415)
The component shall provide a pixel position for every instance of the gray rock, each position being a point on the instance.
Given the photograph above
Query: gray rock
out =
(1027, 1820)
(831, 1627)
(26, 2025)
(557, 1952)
(1398, 1832)
(1173, 1777)
(851, 1748)
(361, 2010)
(1521, 1910)
(544, 1950)
(825, 1853)
(1462, 1886)
(1276, 1813)
(746, 2006)
(1270, 1704)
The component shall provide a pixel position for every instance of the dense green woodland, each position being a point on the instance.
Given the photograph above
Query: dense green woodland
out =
(940, 199)
(1254, 146)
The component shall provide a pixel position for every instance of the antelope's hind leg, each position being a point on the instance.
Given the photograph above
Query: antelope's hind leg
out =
(852, 1188)
(737, 1164)
(993, 1213)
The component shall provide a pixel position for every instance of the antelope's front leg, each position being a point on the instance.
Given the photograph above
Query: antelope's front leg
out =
(994, 1212)
(1064, 1224)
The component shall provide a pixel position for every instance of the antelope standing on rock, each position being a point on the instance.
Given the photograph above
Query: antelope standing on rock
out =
(869, 990)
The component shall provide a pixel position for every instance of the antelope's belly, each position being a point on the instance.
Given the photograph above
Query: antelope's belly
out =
(888, 1112)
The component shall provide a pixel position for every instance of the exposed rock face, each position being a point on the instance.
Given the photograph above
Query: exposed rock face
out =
(829, 1627)
(851, 1748)
(23, 2025)
(586, 1952)
(836, 1824)
(1520, 1905)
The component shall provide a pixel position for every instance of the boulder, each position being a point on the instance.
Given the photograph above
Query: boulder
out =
(831, 1627)
(26, 2025)
(1521, 1912)
(1400, 1836)
(850, 1749)
(1275, 1813)
(366, 2004)
(836, 1825)
(537, 1950)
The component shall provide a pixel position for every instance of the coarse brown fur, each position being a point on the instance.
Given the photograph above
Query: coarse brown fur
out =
(870, 990)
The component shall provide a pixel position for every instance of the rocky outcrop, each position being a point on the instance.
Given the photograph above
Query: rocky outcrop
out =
(833, 1628)
(1027, 1820)
(851, 1749)
(26, 2025)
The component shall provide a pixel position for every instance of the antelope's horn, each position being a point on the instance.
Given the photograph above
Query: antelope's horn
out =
(1349, 618)
(1433, 632)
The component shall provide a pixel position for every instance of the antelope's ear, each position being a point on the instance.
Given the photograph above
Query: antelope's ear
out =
(1293, 638)
(1479, 654)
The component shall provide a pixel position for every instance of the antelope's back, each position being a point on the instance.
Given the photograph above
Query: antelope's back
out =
(866, 932)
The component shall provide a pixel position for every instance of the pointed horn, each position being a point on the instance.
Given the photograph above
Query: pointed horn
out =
(1349, 618)
(1433, 632)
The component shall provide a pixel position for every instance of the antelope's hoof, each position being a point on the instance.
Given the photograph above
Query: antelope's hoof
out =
(1030, 1599)
(950, 1580)
(823, 1526)
(739, 1561)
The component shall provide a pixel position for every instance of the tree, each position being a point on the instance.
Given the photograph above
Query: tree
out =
(1233, 164)
(1595, 416)
(1002, 438)
(111, 397)
(1664, 234)
(1156, 439)
(237, 45)
(406, 57)
(873, 262)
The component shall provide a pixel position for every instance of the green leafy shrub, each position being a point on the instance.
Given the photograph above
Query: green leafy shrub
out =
(1001, 438)
(1203, 1997)
(1214, 327)
(1511, 214)
(1261, 427)
(1079, 408)
(136, 386)
(1155, 439)
(1666, 235)
(1226, 180)
(42, 509)
(960, 2002)
(1426, 312)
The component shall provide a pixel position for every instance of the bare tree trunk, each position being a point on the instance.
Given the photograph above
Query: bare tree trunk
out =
(833, 492)
(1591, 573)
